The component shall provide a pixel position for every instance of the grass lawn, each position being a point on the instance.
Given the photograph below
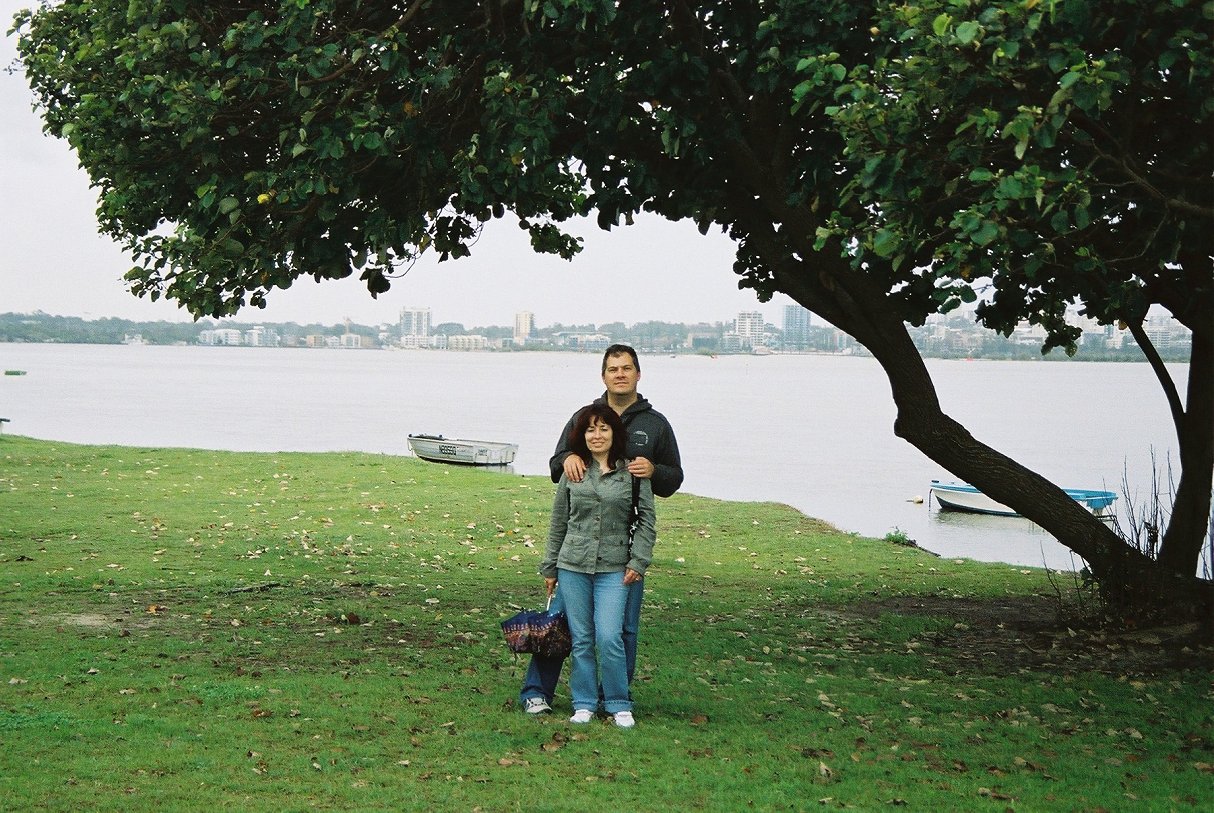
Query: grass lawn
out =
(184, 630)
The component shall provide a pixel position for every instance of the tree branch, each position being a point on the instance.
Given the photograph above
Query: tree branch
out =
(1175, 405)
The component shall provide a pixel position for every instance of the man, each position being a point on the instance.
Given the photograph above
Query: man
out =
(654, 454)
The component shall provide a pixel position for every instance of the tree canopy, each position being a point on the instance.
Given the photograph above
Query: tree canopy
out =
(1053, 151)
(876, 162)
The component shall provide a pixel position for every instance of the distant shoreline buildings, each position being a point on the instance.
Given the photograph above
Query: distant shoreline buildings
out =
(950, 336)
(955, 335)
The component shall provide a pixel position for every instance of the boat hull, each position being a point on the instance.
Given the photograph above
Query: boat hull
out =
(439, 449)
(967, 498)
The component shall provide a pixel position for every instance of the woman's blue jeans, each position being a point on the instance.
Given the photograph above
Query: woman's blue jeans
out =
(544, 673)
(594, 604)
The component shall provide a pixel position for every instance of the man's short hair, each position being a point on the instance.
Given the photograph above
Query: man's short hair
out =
(619, 350)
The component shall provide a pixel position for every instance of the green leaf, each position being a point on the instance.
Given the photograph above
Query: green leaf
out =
(1083, 218)
(940, 24)
(228, 204)
(885, 243)
(968, 31)
(985, 234)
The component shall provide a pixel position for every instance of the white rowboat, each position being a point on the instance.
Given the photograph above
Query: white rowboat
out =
(439, 449)
(964, 497)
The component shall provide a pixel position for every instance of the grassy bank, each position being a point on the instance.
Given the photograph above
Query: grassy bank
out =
(185, 629)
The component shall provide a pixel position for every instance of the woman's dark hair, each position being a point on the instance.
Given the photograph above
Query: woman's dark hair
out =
(585, 417)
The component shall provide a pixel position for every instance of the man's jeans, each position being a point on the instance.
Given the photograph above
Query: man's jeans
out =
(544, 673)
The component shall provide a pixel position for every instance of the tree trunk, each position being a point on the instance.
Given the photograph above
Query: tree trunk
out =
(1188, 526)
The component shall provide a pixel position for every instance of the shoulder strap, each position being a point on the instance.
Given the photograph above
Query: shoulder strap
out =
(634, 517)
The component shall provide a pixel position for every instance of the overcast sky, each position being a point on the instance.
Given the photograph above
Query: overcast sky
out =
(52, 258)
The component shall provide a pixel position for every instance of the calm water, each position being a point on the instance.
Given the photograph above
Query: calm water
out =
(815, 432)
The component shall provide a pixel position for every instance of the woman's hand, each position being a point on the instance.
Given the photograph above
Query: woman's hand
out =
(631, 576)
(550, 586)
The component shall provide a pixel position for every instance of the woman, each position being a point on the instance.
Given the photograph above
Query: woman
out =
(594, 557)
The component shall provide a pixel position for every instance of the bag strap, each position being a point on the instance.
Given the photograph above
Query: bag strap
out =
(634, 517)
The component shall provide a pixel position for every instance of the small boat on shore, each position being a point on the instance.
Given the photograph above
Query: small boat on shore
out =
(964, 497)
(439, 449)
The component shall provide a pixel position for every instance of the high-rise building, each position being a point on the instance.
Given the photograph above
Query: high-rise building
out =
(415, 322)
(796, 327)
(524, 324)
(749, 327)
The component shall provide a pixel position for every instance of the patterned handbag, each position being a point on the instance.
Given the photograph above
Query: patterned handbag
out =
(538, 633)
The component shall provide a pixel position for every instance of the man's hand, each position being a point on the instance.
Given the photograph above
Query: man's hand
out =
(575, 468)
(639, 467)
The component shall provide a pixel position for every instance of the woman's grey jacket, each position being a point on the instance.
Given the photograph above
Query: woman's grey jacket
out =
(589, 530)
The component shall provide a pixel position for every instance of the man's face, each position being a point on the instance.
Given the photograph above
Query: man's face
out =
(621, 375)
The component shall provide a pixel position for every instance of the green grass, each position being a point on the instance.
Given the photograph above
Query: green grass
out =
(183, 630)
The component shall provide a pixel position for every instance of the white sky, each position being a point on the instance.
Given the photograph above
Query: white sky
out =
(53, 259)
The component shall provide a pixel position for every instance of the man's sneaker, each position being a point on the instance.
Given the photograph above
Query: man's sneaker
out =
(624, 719)
(582, 716)
(536, 705)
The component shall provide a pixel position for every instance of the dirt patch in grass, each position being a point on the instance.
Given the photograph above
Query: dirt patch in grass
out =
(94, 621)
(1015, 634)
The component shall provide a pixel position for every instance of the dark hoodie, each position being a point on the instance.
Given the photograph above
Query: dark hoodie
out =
(649, 436)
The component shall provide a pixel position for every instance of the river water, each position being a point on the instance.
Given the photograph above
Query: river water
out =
(812, 431)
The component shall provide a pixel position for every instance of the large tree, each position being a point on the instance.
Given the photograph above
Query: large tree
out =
(876, 162)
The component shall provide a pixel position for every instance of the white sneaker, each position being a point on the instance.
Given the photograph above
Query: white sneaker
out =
(536, 705)
(582, 716)
(624, 719)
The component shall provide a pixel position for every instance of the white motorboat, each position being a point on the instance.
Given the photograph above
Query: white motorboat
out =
(439, 449)
(964, 497)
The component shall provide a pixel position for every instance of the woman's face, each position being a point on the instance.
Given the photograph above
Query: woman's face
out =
(598, 437)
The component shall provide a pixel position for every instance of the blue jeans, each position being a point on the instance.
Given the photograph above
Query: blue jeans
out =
(544, 673)
(594, 603)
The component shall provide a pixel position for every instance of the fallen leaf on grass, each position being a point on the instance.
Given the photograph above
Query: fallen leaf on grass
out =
(555, 744)
(816, 753)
